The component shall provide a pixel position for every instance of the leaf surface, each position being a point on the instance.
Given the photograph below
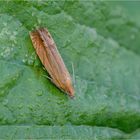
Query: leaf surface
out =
(102, 44)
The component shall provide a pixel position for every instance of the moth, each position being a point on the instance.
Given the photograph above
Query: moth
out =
(50, 57)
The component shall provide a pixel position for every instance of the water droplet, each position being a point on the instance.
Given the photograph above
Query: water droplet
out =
(33, 13)
(20, 106)
(5, 102)
(12, 37)
(6, 52)
(13, 45)
(1, 54)
(21, 97)
(132, 36)
(20, 24)
(39, 20)
(5, 23)
(30, 107)
(21, 114)
(15, 41)
(15, 33)
(14, 120)
(23, 60)
(40, 93)
(30, 62)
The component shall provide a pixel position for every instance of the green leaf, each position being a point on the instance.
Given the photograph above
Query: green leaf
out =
(103, 45)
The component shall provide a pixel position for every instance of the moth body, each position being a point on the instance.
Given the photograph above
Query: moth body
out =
(50, 57)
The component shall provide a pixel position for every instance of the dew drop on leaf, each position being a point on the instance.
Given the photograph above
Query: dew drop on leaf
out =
(39, 93)
(20, 106)
(5, 102)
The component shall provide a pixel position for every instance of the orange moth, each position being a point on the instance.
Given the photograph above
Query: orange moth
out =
(46, 49)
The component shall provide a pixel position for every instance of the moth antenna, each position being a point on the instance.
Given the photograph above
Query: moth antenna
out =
(73, 74)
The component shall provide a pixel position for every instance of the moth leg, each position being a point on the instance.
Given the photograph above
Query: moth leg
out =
(53, 81)
(44, 68)
(47, 77)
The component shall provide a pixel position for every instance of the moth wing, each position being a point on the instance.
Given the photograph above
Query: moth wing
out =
(60, 73)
